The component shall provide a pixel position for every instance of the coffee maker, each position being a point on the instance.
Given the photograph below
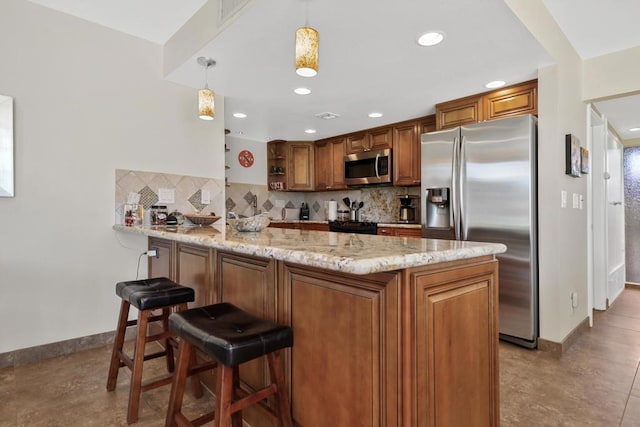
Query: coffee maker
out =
(407, 213)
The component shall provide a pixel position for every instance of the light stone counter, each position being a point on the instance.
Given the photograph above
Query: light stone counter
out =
(349, 253)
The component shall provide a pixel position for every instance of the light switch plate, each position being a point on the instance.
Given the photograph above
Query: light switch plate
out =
(205, 197)
(166, 195)
(563, 199)
(576, 200)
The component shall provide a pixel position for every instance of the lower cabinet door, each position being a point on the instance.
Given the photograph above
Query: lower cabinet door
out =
(456, 344)
(345, 364)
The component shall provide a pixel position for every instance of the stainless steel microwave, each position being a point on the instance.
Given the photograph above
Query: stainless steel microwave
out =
(368, 167)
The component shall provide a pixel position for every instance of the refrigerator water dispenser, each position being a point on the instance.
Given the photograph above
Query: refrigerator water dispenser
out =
(438, 208)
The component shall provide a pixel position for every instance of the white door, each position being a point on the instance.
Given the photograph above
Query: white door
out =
(615, 217)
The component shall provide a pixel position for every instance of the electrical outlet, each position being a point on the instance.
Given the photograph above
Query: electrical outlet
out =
(574, 300)
(166, 196)
(205, 197)
(153, 252)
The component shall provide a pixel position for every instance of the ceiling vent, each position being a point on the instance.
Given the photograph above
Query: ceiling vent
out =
(327, 116)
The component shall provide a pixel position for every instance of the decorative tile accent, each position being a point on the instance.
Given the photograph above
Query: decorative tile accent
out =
(148, 197)
(289, 205)
(267, 205)
(229, 204)
(196, 201)
(249, 198)
(315, 206)
(187, 191)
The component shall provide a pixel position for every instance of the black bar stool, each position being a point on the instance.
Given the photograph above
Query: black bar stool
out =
(232, 337)
(147, 295)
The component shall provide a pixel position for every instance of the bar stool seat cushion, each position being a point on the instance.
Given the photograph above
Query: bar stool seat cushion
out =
(154, 293)
(230, 335)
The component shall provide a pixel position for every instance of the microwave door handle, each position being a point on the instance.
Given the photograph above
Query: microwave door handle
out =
(377, 160)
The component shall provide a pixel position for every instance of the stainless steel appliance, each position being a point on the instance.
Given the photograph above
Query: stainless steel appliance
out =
(407, 212)
(368, 167)
(479, 184)
(354, 227)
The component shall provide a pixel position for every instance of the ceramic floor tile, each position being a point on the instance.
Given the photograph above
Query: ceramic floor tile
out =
(595, 383)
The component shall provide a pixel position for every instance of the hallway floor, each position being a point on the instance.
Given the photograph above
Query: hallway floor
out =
(593, 384)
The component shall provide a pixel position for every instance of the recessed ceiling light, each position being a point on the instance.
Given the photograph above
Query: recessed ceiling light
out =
(310, 131)
(431, 38)
(495, 84)
(375, 115)
(239, 115)
(302, 91)
(634, 130)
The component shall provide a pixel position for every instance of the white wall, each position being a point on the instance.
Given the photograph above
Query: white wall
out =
(256, 174)
(88, 100)
(562, 231)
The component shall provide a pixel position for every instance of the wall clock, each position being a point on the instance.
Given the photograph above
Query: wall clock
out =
(245, 158)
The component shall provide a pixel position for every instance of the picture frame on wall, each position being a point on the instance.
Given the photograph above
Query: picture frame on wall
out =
(572, 155)
(585, 165)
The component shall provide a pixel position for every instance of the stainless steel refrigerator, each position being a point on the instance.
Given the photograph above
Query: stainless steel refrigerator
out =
(479, 184)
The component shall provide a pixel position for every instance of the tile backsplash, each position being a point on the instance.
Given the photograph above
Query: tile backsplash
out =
(381, 204)
(187, 191)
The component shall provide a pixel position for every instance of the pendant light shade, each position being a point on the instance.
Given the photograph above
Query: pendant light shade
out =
(306, 52)
(206, 97)
(206, 104)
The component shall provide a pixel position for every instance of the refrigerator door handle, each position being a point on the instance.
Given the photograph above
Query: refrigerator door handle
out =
(454, 218)
(461, 183)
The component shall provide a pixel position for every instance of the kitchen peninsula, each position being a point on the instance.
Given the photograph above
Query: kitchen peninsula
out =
(388, 331)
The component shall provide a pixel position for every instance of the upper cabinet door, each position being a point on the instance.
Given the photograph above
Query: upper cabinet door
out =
(357, 142)
(380, 138)
(459, 112)
(512, 101)
(406, 154)
(301, 162)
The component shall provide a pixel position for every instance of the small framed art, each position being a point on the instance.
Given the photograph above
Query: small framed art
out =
(585, 165)
(572, 155)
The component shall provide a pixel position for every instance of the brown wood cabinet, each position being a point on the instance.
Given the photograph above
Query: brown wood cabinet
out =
(290, 165)
(406, 150)
(277, 167)
(459, 112)
(371, 139)
(300, 161)
(399, 232)
(456, 377)
(346, 330)
(413, 347)
(301, 226)
(194, 268)
(511, 101)
(329, 164)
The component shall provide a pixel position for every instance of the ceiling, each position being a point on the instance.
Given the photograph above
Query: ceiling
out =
(369, 58)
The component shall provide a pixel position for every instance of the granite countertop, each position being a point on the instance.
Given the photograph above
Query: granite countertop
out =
(349, 253)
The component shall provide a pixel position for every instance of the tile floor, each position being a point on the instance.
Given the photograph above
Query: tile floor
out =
(593, 384)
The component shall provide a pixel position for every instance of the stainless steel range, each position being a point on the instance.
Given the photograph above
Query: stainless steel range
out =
(354, 227)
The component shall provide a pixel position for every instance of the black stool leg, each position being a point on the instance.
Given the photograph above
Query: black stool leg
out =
(282, 396)
(118, 343)
(136, 372)
(185, 353)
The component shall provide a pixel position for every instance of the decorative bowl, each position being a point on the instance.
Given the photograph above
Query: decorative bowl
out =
(201, 219)
(252, 223)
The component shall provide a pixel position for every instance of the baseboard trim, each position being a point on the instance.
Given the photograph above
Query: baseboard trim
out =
(557, 349)
(47, 351)
(632, 285)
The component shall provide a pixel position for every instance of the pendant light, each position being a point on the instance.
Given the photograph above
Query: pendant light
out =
(306, 49)
(206, 102)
